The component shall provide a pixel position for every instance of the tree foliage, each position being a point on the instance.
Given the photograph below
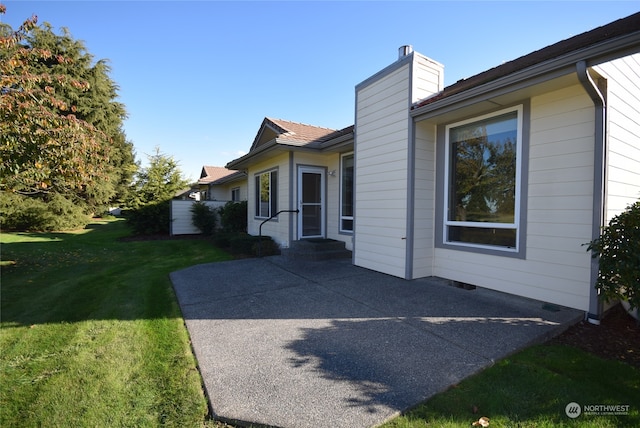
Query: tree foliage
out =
(61, 128)
(159, 181)
(618, 249)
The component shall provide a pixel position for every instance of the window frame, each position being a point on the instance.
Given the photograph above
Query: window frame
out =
(273, 193)
(519, 222)
(341, 215)
(235, 194)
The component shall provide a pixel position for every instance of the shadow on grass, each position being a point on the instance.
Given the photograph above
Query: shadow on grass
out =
(90, 274)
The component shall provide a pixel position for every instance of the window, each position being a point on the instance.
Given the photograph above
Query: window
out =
(235, 194)
(482, 179)
(346, 193)
(266, 194)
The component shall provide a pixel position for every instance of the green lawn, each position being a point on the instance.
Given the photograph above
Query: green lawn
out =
(91, 331)
(92, 337)
(532, 389)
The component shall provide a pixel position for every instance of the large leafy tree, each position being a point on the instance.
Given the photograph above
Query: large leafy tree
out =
(60, 125)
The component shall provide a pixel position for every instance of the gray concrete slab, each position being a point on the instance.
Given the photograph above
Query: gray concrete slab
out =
(327, 344)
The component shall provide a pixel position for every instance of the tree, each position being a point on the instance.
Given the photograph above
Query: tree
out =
(60, 128)
(160, 181)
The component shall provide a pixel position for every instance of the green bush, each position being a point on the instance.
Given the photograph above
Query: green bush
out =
(618, 249)
(150, 219)
(203, 217)
(43, 213)
(233, 216)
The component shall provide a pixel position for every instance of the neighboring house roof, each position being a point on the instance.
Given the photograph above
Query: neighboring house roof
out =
(278, 134)
(616, 29)
(235, 176)
(210, 174)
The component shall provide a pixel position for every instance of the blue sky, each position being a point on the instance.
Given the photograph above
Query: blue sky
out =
(198, 77)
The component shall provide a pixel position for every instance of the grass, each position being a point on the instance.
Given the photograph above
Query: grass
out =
(92, 336)
(91, 331)
(532, 389)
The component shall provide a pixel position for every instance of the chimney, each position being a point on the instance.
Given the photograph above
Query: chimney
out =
(404, 51)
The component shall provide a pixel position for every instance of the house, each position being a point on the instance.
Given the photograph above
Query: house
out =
(497, 180)
(218, 183)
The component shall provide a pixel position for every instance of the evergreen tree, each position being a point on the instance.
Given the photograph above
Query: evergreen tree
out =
(158, 182)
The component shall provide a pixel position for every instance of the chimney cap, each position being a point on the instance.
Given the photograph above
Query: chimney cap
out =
(404, 50)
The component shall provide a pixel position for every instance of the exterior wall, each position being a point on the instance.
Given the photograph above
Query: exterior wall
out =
(557, 265)
(385, 163)
(278, 228)
(222, 192)
(331, 162)
(381, 155)
(424, 216)
(623, 156)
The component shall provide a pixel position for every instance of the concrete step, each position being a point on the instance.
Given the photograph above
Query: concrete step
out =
(316, 249)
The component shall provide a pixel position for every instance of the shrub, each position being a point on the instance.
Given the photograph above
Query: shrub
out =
(150, 219)
(618, 248)
(233, 216)
(47, 213)
(203, 217)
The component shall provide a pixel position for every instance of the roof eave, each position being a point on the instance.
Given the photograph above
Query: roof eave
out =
(538, 73)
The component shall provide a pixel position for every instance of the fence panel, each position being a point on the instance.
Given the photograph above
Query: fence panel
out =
(181, 216)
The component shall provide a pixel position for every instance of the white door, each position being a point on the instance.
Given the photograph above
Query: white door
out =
(311, 190)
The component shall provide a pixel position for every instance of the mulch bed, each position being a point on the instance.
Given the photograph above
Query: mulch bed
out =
(616, 338)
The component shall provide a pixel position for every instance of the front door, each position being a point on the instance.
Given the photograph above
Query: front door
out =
(311, 218)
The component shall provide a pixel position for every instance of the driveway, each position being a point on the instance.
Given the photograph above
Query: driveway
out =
(326, 344)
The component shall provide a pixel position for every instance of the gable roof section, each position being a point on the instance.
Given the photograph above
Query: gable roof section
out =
(283, 135)
(619, 28)
(210, 174)
(293, 133)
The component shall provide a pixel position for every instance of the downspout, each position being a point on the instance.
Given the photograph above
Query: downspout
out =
(599, 183)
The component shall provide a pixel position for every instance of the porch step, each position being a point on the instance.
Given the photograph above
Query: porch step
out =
(317, 249)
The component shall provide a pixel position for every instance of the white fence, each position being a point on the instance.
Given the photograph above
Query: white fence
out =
(181, 216)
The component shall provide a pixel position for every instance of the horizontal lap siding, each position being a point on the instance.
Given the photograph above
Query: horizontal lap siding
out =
(424, 200)
(278, 230)
(623, 99)
(381, 173)
(557, 266)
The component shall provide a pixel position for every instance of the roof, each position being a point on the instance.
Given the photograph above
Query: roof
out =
(278, 134)
(292, 132)
(213, 173)
(612, 30)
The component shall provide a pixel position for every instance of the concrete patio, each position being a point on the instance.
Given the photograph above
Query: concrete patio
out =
(326, 344)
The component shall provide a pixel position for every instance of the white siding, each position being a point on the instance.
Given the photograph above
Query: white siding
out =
(181, 217)
(222, 192)
(277, 229)
(623, 99)
(381, 150)
(382, 159)
(424, 208)
(557, 266)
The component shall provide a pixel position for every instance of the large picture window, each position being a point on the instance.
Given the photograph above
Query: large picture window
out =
(346, 193)
(266, 184)
(482, 170)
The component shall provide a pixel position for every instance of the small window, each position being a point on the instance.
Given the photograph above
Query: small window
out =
(482, 179)
(266, 194)
(235, 194)
(346, 193)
